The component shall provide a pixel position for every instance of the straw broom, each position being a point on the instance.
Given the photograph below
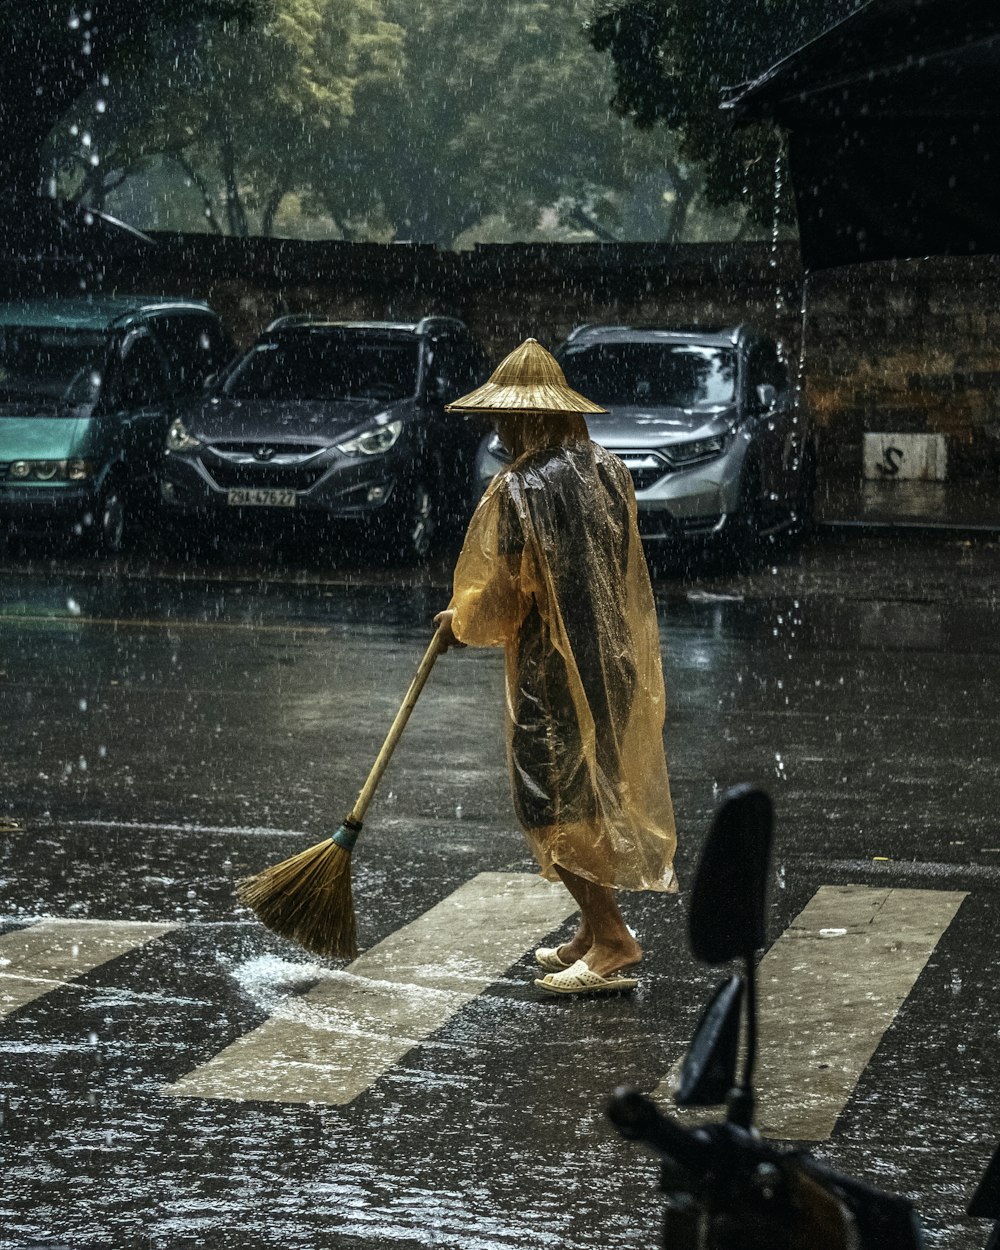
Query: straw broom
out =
(308, 897)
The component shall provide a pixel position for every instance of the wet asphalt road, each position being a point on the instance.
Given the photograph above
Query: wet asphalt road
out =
(167, 728)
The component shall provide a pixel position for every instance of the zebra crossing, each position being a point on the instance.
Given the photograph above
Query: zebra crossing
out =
(54, 953)
(333, 1042)
(830, 986)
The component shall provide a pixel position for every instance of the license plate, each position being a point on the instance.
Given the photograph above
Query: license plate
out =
(246, 497)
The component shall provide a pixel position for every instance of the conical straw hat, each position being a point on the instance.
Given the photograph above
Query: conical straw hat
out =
(528, 380)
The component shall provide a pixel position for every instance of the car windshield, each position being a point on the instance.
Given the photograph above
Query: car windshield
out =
(315, 366)
(674, 375)
(55, 368)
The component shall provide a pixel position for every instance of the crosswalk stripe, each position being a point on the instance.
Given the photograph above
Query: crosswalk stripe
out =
(829, 988)
(330, 1044)
(51, 954)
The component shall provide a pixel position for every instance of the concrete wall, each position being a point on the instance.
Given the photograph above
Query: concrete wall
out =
(910, 347)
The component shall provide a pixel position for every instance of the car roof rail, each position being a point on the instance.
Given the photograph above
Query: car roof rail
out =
(594, 327)
(288, 320)
(146, 307)
(577, 331)
(426, 324)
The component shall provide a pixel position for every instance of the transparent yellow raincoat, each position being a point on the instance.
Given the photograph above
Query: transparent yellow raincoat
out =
(552, 569)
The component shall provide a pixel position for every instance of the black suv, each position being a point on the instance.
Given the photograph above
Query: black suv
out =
(337, 419)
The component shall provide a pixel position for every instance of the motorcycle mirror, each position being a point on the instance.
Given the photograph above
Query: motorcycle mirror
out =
(709, 1070)
(729, 897)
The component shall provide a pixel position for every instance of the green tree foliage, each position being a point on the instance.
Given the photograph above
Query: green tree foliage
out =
(52, 52)
(393, 119)
(389, 119)
(495, 112)
(258, 108)
(673, 57)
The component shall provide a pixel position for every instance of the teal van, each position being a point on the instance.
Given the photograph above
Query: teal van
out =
(87, 392)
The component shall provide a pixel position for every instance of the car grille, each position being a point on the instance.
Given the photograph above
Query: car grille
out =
(646, 467)
(228, 475)
(268, 449)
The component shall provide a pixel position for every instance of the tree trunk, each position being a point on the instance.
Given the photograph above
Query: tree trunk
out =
(685, 189)
(97, 185)
(235, 211)
(274, 201)
(746, 226)
(199, 182)
(578, 217)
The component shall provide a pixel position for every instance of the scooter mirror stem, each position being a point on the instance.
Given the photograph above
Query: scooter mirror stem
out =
(740, 1104)
(740, 1107)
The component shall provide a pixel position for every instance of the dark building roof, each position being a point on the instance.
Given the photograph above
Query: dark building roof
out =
(893, 120)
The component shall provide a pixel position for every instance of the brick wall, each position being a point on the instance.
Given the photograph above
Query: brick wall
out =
(903, 347)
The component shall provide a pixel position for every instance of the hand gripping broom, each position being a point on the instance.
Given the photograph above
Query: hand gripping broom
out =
(308, 897)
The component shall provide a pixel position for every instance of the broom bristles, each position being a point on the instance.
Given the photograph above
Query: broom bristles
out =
(307, 898)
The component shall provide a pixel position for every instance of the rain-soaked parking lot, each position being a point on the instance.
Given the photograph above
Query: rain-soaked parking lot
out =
(175, 1076)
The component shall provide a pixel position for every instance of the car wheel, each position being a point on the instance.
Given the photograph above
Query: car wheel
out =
(410, 531)
(108, 529)
(746, 542)
(419, 522)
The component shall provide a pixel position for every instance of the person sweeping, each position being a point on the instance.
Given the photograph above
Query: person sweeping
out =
(552, 570)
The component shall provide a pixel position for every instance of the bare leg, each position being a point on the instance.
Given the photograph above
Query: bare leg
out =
(578, 945)
(612, 946)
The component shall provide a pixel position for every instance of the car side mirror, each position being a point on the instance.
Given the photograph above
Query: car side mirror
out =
(767, 396)
(728, 913)
(210, 382)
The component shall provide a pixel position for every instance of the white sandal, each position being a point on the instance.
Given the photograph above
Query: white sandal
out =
(547, 957)
(578, 979)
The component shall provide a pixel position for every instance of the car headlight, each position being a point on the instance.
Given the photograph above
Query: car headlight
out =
(79, 470)
(684, 454)
(373, 442)
(51, 470)
(178, 439)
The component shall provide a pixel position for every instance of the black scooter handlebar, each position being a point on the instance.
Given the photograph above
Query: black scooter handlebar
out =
(638, 1118)
(724, 1157)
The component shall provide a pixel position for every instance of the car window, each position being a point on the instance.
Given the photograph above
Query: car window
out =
(471, 367)
(459, 364)
(195, 346)
(142, 381)
(673, 375)
(326, 366)
(52, 368)
(444, 374)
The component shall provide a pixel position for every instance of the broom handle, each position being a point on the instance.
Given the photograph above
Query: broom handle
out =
(357, 813)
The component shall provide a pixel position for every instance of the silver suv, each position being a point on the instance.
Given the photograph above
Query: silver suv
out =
(707, 424)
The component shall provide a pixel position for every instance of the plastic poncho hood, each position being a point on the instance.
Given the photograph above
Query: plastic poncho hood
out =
(552, 569)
